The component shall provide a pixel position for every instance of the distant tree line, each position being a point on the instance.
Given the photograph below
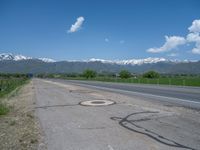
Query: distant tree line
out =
(123, 74)
(89, 74)
(15, 75)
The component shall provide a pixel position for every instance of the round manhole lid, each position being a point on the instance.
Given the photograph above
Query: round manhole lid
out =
(97, 103)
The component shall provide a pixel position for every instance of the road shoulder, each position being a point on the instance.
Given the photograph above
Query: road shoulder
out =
(19, 129)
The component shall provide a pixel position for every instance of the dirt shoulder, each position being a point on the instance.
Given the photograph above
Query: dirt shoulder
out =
(19, 129)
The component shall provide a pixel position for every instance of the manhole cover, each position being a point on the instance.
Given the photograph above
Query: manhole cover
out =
(97, 103)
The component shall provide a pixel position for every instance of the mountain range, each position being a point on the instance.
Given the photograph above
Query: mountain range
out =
(11, 57)
(10, 63)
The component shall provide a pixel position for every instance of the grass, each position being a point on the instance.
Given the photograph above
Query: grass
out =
(12, 122)
(7, 85)
(10, 84)
(179, 81)
(3, 109)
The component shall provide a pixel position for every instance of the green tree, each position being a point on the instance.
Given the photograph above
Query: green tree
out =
(124, 74)
(151, 74)
(89, 73)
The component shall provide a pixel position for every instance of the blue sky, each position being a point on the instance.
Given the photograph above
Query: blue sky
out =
(106, 29)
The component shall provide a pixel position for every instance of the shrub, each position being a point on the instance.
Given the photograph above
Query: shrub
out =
(151, 74)
(89, 73)
(124, 74)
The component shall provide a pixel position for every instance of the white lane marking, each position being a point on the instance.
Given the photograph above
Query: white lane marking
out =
(153, 86)
(55, 83)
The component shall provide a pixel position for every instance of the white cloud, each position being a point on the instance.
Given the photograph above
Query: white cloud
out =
(196, 50)
(173, 55)
(122, 42)
(106, 40)
(195, 27)
(77, 25)
(194, 37)
(171, 42)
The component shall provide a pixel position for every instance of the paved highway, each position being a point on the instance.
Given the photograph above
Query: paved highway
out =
(133, 121)
(186, 96)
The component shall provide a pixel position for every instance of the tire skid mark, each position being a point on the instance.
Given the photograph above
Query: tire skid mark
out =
(132, 126)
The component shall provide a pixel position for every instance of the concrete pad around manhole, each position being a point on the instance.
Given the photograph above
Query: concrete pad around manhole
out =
(97, 103)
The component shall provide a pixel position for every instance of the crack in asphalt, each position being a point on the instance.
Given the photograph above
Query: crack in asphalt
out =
(124, 122)
(93, 128)
(48, 106)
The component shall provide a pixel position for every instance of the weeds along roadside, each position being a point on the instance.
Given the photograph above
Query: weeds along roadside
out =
(8, 87)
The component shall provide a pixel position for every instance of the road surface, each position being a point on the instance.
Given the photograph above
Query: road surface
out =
(181, 95)
(132, 122)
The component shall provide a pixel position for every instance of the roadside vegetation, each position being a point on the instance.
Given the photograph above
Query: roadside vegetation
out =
(8, 83)
(124, 76)
(88, 74)
(3, 109)
(19, 128)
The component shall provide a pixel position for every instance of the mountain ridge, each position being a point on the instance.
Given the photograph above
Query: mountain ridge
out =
(19, 57)
(149, 60)
(22, 64)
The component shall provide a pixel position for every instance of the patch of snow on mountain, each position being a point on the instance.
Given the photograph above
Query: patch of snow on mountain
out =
(101, 60)
(48, 60)
(5, 56)
(21, 57)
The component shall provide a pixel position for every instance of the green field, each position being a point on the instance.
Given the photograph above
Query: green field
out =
(7, 85)
(179, 81)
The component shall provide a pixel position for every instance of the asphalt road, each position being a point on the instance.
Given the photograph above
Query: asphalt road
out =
(132, 122)
(181, 95)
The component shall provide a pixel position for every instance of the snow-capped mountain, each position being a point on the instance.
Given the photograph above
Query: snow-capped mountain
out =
(10, 63)
(9, 56)
(149, 60)
(6, 57)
